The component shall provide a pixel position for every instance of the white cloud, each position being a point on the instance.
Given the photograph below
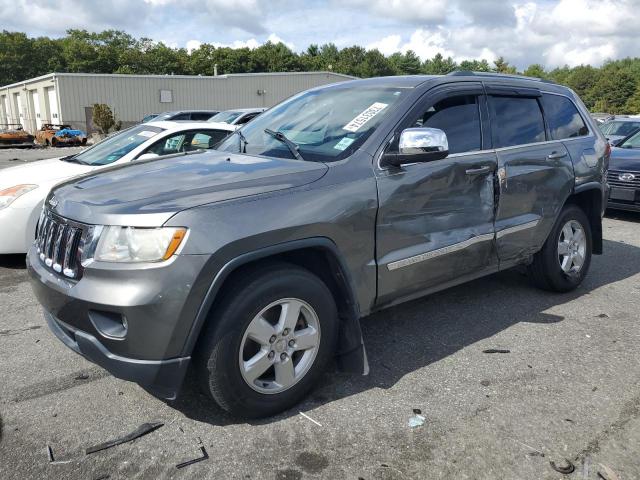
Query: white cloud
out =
(191, 44)
(411, 11)
(273, 38)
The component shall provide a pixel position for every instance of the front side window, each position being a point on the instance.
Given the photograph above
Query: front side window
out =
(459, 118)
(563, 118)
(200, 116)
(326, 124)
(117, 146)
(516, 121)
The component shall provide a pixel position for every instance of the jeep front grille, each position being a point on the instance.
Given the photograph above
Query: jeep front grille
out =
(58, 243)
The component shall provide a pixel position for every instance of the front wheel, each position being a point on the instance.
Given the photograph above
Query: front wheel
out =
(565, 258)
(268, 342)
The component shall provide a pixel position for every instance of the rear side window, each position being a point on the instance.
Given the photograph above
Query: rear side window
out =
(516, 121)
(459, 118)
(201, 116)
(563, 118)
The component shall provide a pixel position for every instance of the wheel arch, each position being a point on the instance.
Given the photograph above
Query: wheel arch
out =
(589, 198)
(321, 257)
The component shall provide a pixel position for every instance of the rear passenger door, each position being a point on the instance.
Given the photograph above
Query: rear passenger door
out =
(535, 173)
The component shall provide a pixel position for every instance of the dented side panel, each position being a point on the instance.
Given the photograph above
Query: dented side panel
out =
(435, 224)
(534, 181)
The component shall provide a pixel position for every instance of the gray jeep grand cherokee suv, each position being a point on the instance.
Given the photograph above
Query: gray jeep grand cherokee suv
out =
(252, 265)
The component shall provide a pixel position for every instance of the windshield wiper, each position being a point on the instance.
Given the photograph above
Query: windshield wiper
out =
(242, 145)
(281, 137)
(72, 159)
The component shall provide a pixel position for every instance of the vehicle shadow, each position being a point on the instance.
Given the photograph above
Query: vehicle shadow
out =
(411, 336)
(623, 215)
(13, 261)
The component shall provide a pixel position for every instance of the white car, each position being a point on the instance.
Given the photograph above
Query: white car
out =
(23, 188)
(238, 116)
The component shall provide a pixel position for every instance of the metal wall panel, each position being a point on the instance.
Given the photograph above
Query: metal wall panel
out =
(133, 97)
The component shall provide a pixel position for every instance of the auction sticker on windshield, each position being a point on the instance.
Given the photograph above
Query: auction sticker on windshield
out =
(357, 123)
(344, 143)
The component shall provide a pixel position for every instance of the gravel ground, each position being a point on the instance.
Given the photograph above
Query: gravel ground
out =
(10, 157)
(568, 389)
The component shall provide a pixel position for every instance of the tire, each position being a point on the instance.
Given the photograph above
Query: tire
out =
(554, 270)
(228, 349)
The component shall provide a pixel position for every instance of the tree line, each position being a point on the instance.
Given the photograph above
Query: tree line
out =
(614, 87)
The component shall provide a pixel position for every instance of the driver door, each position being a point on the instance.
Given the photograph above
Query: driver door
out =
(435, 219)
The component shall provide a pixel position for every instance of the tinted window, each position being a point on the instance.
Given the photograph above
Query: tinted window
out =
(516, 121)
(182, 116)
(201, 116)
(187, 142)
(459, 118)
(562, 117)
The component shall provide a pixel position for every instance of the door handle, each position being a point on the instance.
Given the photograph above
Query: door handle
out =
(479, 171)
(556, 155)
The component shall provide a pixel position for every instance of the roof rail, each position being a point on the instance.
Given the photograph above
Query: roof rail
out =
(469, 73)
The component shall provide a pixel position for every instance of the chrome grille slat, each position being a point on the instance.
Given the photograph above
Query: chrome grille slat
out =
(613, 179)
(58, 244)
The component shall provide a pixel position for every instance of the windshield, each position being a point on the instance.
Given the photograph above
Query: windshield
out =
(113, 148)
(631, 142)
(225, 117)
(327, 124)
(620, 128)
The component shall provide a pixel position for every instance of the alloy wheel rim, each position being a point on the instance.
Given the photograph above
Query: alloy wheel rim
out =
(572, 247)
(279, 345)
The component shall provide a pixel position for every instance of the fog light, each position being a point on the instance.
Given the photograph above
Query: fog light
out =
(109, 324)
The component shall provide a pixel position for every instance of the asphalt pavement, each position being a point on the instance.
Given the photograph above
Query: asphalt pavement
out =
(568, 389)
(10, 157)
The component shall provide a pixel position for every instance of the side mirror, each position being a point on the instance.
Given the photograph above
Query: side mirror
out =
(147, 156)
(419, 145)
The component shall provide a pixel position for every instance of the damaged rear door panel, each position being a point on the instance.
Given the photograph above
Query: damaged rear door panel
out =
(535, 175)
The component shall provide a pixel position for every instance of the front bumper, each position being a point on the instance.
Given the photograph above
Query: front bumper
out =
(156, 302)
(163, 377)
(628, 200)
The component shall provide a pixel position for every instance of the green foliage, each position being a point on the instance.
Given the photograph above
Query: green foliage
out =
(104, 118)
(614, 87)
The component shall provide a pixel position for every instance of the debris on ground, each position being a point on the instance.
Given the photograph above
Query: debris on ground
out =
(82, 376)
(139, 432)
(603, 315)
(310, 419)
(485, 383)
(204, 457)
(605, 473)
(16, 331)
(496, 350)
(563, 466)
(417, 420)
(52, 459)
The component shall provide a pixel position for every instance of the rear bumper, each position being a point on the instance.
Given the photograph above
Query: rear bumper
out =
(162, 377)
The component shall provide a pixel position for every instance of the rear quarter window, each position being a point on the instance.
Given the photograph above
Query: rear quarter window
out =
(563, 117)
(516, 121)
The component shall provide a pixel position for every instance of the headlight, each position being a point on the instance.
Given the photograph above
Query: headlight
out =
(9, 195)
(130, 244)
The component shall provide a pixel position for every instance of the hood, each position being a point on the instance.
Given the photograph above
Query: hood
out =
(627, 159)
(148, 193)
(41, 172)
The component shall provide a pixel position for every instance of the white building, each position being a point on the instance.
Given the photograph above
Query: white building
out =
(69, 97)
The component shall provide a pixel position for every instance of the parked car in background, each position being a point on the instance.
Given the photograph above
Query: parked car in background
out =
(602, 117)
(619, 128)
(13, 135)
(250, 266)
(624, 174)
(58, 135)
(23, 188)
(193, 115)
(239, 116)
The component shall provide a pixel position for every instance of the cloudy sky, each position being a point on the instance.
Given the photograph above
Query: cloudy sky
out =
(551, 32)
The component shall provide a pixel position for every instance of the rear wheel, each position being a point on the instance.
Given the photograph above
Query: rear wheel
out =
(268, 342)
(565, 258)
